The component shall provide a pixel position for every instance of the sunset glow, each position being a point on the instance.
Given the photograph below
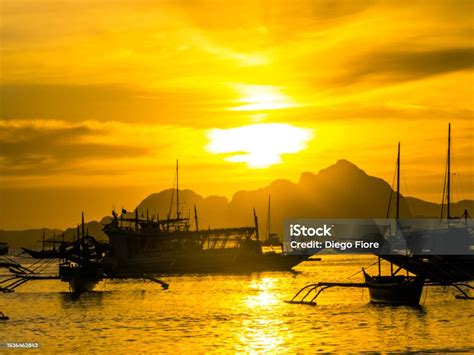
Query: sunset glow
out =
(110, 94)
(258, 145)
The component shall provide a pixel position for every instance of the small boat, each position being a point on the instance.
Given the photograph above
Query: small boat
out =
(395, 290)
(3, 248)
(82, 265)
(54, 253)
(81, 278)
(445, 254)
(43, 254)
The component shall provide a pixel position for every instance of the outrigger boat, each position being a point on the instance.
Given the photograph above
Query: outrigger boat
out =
(429, 269)
(54, 253)
(445, 254)
(171, 246)
(81, 268)
(394, 289)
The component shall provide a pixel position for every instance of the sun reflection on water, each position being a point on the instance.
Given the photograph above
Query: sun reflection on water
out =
(263, 332)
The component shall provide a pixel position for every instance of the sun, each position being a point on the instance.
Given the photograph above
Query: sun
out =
(261, 98)
(258, 145)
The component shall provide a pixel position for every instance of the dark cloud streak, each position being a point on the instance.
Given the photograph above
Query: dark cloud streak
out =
(392, 66)
(41, 150)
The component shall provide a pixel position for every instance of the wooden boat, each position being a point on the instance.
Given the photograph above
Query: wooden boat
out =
(3, 248)
(429, 249)
(44, 253)
(82, 265)
(395, 290)
(81, 278)
(169, 245)
(54, 253)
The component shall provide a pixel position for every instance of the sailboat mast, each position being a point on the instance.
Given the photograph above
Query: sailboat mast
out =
(177, 190)
(448, 187)
(196, 218)
(268, 219)
(82, 218)
(398, 183)
(257, 234)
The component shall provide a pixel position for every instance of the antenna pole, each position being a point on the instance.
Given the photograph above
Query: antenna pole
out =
(448, 194)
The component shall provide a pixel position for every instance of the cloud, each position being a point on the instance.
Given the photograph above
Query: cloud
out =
(394, 66)
(101, 102)
(43, 147)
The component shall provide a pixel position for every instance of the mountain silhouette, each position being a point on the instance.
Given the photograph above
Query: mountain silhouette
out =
(341, 190)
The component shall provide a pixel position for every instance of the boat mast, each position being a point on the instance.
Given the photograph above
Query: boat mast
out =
(177, 190)
(81, 243)
(196, 218)
(397, 212)
(398, 184)
(268, 219)
(448, 187)
(257, 234)
(83, 230)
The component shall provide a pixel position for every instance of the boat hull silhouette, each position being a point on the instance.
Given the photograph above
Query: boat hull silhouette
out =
(44, 254)
(394, 290)
(215, 261)
(81, 278)
(3, 248)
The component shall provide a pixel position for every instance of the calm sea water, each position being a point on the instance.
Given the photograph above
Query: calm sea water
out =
(234, 313)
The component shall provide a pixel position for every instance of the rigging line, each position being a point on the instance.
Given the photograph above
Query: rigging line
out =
(358, 272)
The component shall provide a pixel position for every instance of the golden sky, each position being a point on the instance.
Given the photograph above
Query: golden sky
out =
(98, 98)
